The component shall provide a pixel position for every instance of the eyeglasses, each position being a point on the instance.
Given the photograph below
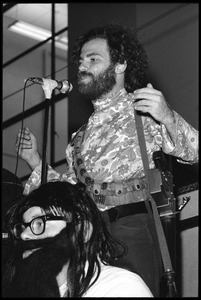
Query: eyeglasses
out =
(37, 225)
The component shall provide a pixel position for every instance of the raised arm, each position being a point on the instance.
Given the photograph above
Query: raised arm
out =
(179, 138)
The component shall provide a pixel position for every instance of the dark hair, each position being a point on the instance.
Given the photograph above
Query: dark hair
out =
(67, 198)
(123, 46)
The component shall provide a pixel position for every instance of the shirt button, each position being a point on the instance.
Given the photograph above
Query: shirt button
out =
(104, 185)
(82, 171)
(96, 192)
(87, 180)
(79, 161)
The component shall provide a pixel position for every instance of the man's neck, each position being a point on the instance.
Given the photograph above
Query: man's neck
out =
(113, 92)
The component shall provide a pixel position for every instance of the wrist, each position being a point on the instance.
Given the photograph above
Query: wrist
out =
(34, 161)
(170, 119)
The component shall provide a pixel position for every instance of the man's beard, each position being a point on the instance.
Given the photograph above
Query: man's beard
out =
(99, 85)
(35, 276)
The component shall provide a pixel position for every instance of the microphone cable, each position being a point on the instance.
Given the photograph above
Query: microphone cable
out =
(22, 124)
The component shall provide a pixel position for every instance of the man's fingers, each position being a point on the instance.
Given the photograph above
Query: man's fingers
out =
(149, 85)
(23, 136)
(23, 143)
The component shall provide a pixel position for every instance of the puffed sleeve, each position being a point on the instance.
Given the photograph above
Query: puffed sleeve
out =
(34, 180)
(186, 146)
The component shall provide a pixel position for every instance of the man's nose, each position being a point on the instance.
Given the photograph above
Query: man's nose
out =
(83, 67)
(27, 234)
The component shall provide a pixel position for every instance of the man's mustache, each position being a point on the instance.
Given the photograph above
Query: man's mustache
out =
(84, 74)
(22, 246)
(32, 244)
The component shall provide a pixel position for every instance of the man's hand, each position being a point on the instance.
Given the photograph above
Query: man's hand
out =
(26, 146)
(152, 101)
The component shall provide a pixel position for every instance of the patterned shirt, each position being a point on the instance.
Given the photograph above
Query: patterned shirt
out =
(110, 149)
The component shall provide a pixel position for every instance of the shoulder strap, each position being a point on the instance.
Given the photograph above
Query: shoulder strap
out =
(161, 236)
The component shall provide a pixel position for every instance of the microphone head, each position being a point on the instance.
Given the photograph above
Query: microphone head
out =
(66, 87)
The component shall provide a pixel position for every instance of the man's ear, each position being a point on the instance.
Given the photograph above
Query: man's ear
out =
(120, 68)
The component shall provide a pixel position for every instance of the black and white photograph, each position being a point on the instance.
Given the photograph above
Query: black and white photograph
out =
(100, 150)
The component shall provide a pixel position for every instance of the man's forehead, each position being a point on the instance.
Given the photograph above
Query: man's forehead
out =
(32, 212)
(97, 46)
(37, 211)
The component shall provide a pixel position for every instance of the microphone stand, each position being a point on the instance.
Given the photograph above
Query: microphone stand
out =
(44, 164)
(48, 87)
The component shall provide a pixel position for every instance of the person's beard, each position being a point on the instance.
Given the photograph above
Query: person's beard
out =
(35, 276)
(99, 85)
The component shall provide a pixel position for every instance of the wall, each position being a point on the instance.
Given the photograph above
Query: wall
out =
(171, 40)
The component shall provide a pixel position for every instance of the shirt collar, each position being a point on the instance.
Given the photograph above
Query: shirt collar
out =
(104, 103)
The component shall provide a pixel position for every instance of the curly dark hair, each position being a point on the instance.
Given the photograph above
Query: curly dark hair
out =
(124, 46)
(63, 198)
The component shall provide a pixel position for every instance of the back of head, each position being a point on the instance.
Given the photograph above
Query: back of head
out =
(124, 46)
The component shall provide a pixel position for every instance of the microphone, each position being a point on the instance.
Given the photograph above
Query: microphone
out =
(64, 86)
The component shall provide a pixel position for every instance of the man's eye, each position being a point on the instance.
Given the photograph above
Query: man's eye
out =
(38, 223)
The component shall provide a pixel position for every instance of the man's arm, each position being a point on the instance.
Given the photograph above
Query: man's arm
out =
(180, 139)
(26, 146)
(152, 101)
